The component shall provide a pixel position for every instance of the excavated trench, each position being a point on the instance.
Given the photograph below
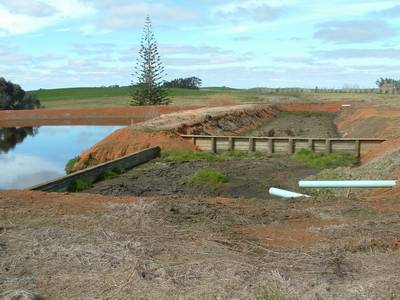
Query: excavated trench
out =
(248, 177)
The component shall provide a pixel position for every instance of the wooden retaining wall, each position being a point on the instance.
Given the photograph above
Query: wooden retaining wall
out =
(288, 145)
(91, 174)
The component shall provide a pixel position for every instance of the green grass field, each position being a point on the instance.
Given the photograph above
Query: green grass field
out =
(108, 97)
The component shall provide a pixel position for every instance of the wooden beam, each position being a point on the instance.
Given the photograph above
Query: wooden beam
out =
(358, 148)
(231, 143)
(328, 146)
(251, 145)
(213, 144)
(311, 144)
(290, 146)
(270, 145)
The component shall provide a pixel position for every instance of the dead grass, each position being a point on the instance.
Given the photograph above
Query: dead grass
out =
(184, 248)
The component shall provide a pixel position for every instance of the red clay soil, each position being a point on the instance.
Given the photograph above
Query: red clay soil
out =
(384, 148)
(311, 107)
(127, 140)
(370, 122)
(87, 116)
(63, 203)
(291, 234)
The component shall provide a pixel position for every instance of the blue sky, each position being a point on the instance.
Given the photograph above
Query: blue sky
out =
(246, 43)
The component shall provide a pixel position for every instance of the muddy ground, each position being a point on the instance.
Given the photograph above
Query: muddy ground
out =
(299, 124)
(81, 246)
(248, 178)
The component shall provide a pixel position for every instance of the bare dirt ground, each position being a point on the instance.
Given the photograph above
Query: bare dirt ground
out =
(69, 246)
(248, 178)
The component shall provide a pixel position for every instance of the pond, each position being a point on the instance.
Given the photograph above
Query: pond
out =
(32, 155)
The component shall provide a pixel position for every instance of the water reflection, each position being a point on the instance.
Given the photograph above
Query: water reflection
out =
(30, 156)
(10, 137)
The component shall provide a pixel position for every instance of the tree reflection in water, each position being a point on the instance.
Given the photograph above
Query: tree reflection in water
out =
(9, 137)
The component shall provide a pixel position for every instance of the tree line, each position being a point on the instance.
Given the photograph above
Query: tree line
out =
(193, 83)
(12, 96)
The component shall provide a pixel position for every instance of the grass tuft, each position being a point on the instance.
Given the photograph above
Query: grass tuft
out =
(322, 161)
(79, 185)
(189, 155)
(70, 164)
(209, 176)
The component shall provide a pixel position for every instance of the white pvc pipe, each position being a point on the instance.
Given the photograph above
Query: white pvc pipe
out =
(346, 183)
(285, 194)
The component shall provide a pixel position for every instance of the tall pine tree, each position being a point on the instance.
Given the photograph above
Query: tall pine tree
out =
(148, 89)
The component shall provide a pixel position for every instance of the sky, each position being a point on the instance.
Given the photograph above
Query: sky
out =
(235, 43)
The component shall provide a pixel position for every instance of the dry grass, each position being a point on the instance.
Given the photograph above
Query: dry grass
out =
(169, 250)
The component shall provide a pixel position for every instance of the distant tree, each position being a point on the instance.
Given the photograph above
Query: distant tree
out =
(388, 85)
(184, 83)
(148, 89)
(12, 96)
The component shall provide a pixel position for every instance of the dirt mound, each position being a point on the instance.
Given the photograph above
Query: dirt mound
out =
(126, 140)
(387, 147)
(370, 122)
(311, 107)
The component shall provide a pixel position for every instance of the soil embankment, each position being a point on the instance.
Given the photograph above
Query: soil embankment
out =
(228, 120)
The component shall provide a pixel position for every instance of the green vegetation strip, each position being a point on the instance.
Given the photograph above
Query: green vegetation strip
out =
(322, 161)
(188, 155)
(209, 176)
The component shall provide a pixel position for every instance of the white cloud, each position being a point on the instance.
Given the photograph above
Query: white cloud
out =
(29, 8)
(14, 22)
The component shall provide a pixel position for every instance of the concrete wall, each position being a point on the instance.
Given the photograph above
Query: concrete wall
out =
(283, 144)
(91, 174)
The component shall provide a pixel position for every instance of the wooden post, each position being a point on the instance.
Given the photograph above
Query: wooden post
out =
(194, 140)
(311, 144)
(270, 145)
(251, 144)
(231, 144)
(358, 148)
(290, 146)
(328, 146)
(214, 145)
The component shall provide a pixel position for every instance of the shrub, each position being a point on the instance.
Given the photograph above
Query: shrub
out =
(79, 185)
(325, 160)
(209, 176)
(70, 164)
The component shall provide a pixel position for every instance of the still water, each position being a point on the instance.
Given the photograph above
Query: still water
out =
(30, 156)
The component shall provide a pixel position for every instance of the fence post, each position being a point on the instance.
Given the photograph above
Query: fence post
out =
(311, 144)
(290, 146)
(328, 146)
(231, 144)
(358, 148)
(194, 140)
(251, 144)
(214, 145)
(270, 145)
